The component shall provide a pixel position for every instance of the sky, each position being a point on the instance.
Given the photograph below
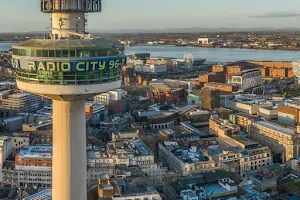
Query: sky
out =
(25, 15)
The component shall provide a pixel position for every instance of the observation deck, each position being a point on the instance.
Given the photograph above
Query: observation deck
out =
(68, 67)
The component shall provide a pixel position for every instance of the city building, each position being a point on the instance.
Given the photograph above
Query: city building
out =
(162, 61)
(119, 122)
(194, 98)
(164, 94)
(5, 151)
(222, 87)
(210, 185)
(210, 98)
(33, 165)
(20, 101)
(195, 116)
(245, 153)
(269, 113)
(106, 97)
(183, 160)
(266, 177)
(140, 56)
(95, 113)
(280, 139)
(125, 150)
(275, 69)
(289, 114)
(206, 41)
(247, 104)
(11, 124)
(243, 120)
(68, 67)
(19, 140)
(217, 68)
(218, 77)
(125, 187)
(296, 70)
(224, 187)
(163, 121)
(151, 68)
(6, 113)
(247, 79)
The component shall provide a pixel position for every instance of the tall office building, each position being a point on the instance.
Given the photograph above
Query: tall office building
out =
(68, 67)
(210, 98)
(296, 70)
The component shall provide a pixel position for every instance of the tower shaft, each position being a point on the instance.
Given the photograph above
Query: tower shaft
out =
(65, 23)
(69, 151)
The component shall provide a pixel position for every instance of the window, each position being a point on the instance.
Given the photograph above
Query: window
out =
(72, 53)
(83, 53)
(38, 53)
(65, 53)
(51, 53)
(45, 53)
(27, 52)
(58, 53)
(33, 53)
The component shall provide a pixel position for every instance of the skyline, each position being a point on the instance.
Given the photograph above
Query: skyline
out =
(137, 14)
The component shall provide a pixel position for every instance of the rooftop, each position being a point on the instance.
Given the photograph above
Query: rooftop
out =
(276, 127)
(43, 195)
(244, 140)
(186, 155)
(36, 152)
(246, 71)
(67, 44)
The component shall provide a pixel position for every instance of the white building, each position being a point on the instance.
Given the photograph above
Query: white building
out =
(33, 165)
(248, 79)
(205, 41)
(114, 95)
(151, 68)
(246, 107)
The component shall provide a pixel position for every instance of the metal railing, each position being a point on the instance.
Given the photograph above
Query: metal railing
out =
(75, 79)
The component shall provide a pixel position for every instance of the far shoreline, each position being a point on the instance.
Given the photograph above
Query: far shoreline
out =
(210, 47)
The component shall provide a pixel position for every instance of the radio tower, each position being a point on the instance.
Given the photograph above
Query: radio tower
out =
(68, 67)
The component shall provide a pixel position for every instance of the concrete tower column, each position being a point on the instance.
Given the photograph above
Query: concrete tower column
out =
(69, 151)
(65, 22)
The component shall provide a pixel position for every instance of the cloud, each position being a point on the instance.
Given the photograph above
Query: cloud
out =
(277, 15)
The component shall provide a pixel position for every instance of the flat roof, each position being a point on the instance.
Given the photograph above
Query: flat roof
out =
(186, 155)
(275, 127)
(36, 152)
(43, 195)
(214, 189)
(244, 140)
(67, 44)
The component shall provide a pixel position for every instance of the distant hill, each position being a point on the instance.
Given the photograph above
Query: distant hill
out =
(194, 30)
(168, 30)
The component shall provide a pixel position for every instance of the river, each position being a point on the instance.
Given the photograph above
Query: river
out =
(211, 54)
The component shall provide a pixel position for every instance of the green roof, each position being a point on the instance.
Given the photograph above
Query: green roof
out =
(67, 44)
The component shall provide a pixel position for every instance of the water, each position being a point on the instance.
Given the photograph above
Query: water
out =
(5, 46)
(211, 54)
(218, 54)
